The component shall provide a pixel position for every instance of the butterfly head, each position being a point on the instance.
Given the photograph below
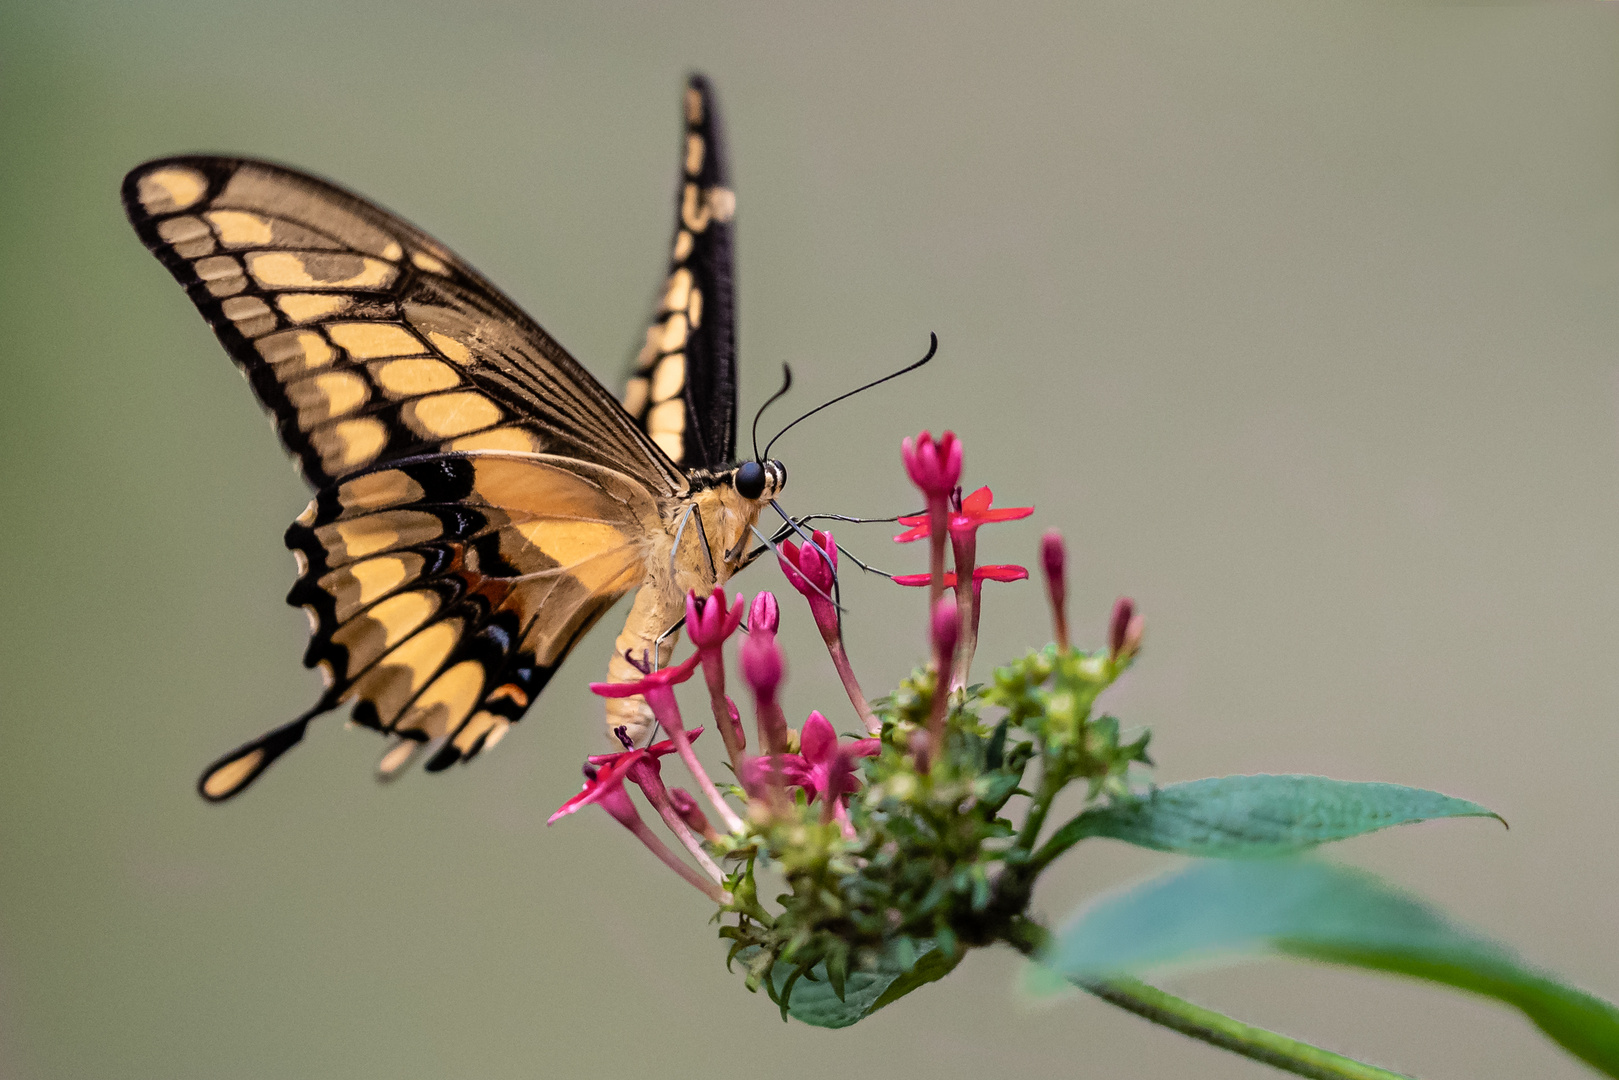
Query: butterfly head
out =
(758, 481)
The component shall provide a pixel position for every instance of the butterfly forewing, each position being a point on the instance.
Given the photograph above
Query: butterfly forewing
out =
(365, 338)
(682, 389)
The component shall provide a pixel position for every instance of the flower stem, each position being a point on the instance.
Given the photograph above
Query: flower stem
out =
(1206, 1025)
(695, 767)
(688, 839)
(851, 685)
(673, 862)
(938, 529)
(714, 676)
(965, 549)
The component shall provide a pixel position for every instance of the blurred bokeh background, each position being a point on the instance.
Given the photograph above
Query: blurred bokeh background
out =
(1300, 320)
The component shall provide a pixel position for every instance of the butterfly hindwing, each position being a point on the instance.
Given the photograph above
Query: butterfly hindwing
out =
(443, 591)
(682, 390)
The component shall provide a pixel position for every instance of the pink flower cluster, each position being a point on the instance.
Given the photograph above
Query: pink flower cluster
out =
(934, 466)
(812, 760)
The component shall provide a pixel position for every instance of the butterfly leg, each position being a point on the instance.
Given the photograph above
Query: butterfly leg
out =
(702, 535)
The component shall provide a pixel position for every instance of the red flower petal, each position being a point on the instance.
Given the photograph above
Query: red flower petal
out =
(668, 676)
(1006, 572)
(915, 580)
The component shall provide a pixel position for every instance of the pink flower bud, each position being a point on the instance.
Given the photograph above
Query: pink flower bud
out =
(738, 736)
(934, 467)
(763, 664)
(689, 811)
(1125, 630)
(811, 571)
(1123, 612)
(708, 622)
(1054, 560)
(764, 616)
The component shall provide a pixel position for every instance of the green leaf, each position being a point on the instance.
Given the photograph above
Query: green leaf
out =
(865, 990)
(1233, 816)
(1313, 910)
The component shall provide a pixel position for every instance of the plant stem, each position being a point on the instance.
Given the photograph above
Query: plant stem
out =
(1217, 1029)
(1039, 806)
(1206, 1025)
(851, 685)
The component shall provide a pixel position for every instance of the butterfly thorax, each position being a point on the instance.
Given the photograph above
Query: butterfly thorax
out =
(706, 538)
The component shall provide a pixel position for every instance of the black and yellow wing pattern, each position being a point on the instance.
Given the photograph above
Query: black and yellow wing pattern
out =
(482, 500)
(682, 389)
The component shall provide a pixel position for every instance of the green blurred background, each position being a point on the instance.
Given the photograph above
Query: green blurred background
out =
(1299, 319)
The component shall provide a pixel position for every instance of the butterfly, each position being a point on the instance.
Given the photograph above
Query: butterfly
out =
(481, 501)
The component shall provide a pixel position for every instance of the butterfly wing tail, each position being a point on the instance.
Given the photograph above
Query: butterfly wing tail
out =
(236, 770)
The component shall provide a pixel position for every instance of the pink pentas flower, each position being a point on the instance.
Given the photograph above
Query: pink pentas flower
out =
(709, 622)
(605, 785)
(656, 750)
(645, 771)
(933, 466)
(664, 679)
(823, 767)
(975, 510)
(812, 570)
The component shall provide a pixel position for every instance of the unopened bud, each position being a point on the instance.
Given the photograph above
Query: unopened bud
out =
(738, 735)
(1125, 630)
(933, 466)
(688, 810)
(763, 664)
(764, 616)
(1054, 560)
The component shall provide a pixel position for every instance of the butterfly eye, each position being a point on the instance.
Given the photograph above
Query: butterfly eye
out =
(750, 480)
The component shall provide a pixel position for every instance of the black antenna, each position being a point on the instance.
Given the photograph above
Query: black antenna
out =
(786, 385)
(933, 347)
